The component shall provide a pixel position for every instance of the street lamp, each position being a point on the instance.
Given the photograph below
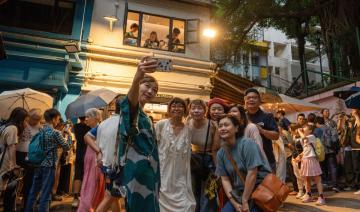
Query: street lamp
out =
(209, 33)
(318, 39)
(112, 18)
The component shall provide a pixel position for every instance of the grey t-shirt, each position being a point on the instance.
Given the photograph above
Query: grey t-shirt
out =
(247, 156)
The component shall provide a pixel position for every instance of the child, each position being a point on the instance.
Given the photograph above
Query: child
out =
(310, 167)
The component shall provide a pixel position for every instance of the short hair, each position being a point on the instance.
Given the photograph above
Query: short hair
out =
(311, 117)
(93, 113)
(282, 112)
(178, 100)
(301, 114)
(50, 114)
(82, 118)
(252, 90)
(176, 30)
(35, 113)
(134, 25)
(319, 120)
(322, 110)
(199, 102)
(149, 78)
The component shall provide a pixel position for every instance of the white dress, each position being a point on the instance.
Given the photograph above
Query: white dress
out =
(174, 153)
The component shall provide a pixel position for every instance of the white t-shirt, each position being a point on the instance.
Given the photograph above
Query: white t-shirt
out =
(24, 141)
(8, 137)
(106, 139)
(308, 148)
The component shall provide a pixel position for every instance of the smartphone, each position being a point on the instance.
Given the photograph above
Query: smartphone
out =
(164, 65)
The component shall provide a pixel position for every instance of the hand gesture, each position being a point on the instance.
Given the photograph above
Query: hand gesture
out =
(147, 65)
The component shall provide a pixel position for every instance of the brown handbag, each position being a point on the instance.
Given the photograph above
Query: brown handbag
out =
(269, 194)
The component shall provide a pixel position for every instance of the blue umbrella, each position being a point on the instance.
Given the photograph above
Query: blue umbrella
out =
(353, 101)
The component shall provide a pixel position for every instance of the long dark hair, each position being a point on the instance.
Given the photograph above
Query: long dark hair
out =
(243, 117)
(17, 118)
(236, 122)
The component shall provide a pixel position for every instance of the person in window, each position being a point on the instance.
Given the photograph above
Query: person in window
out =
(130, 38)
(176, 41)
(152, 42)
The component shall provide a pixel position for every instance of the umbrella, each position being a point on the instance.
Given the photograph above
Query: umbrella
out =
(353, 101)
(345, 94)
(106, 94)
(289, 105)
(94, 99)
(25, 98)
(267, 95)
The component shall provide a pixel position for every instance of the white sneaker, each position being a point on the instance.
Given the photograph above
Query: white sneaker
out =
(75, 203)
(357, 192)
(300, 195)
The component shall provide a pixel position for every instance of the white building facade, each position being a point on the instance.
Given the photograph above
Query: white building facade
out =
(284, 63)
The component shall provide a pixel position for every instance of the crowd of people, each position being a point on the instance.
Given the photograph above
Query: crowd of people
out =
(181, 163)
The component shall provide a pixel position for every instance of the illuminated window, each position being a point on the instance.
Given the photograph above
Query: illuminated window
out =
(157, 32)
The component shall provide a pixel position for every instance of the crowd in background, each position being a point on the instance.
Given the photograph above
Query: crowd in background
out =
(180, 163)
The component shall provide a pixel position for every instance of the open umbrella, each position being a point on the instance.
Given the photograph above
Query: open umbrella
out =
(25, 98)
(94, 99)
(346, 93)
(267, 95)
(353, 101)
(290, 105)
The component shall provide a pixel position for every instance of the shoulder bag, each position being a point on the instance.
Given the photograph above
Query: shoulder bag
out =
(268, 195)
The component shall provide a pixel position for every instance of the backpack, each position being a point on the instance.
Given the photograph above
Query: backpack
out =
(319, 150)
(37, 152)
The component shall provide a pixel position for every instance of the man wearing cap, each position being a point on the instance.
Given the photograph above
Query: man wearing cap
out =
(265, 121)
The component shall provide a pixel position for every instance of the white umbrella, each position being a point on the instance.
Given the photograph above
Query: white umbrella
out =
(290, 105)
(25, 98)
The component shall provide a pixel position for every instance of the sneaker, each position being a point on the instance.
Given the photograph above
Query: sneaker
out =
(306, 198)
(320, 201)
(348, 188)
(357, 192)
(336, 189)
(56, 197)
(75, 203)
(299, 195)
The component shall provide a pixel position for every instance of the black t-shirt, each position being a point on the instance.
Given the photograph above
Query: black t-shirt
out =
(267, 122)
(80, 130)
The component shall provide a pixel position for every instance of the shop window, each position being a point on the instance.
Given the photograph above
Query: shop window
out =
(157, 32)
(56, 16)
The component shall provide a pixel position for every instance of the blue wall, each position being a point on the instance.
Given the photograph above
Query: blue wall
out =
(45, 68)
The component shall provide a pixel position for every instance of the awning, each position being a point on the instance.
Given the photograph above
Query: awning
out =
(36, 73)
(230, 87)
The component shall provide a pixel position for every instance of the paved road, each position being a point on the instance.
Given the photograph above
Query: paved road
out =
(335, 202)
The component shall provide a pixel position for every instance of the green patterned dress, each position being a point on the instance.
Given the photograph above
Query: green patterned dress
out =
(141, 173)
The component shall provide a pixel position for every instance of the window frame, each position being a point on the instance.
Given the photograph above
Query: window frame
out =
(171, 21)
(79, 17)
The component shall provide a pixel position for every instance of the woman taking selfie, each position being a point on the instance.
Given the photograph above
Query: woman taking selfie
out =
(174, 147)
(248, 158)
(138, 152)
